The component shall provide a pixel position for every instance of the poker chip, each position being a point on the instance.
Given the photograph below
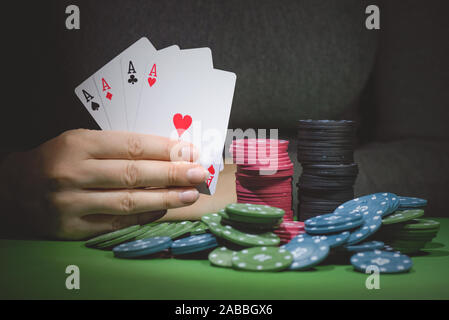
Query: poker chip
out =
(254, 210)
(412, 202)
(385, 261)
(403, 216)
(124, 238)
(154, 231)
(422, 224)
(180, 229)
(199, 227)
(248, 239)
(262, 259)
(333, 219)
(307, 252)
(336, 228)
(371, 224)
(193, 244)
(221, 257)
(332, 240)
(365, 246)
(111, 235)
(140, 248)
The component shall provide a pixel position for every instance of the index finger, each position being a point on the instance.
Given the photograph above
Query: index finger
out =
(138, 146)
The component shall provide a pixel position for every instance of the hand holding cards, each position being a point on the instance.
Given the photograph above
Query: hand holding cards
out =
(171, 92)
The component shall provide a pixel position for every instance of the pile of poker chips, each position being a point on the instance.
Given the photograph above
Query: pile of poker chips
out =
(405, 230)
(264, 173)
(348, 233)
(172, 230)
(326, 154)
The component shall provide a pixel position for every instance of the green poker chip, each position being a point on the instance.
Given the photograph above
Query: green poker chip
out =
(210, 217)
(111, 235)
(124, 238)
(403, 216)
(262, 259)
(199, 227)
(180, 229)
(248, 223)
(254, 210)
(155, 231)
(422, 224)
(248, 239)
(213, 221)
(221, 257)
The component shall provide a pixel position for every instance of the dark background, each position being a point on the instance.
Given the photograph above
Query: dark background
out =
(293, 59)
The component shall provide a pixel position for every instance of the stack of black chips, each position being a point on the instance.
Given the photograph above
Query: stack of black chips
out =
(326, 153)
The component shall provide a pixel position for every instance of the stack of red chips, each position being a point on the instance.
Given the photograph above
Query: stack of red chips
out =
(264, 176)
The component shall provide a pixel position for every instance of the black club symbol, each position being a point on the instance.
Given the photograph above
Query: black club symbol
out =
(132, 79)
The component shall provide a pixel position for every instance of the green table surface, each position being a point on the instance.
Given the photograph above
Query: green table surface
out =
(36, 270)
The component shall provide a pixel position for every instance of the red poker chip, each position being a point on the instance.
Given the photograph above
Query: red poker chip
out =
(280, 198)
(261, 165)
(269, 203)
(242, 161)
(273, 168)
(270, 192)
(262, 193)
(250, 183)
(281, 183)
(259, 141)
(265, 173)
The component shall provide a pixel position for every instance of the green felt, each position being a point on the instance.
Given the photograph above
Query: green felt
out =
(36, 270)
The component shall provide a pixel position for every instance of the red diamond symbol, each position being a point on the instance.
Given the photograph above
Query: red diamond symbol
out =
(109, 95)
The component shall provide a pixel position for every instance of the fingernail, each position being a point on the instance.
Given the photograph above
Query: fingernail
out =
(189, 153)
(189, 196)
(197, 175)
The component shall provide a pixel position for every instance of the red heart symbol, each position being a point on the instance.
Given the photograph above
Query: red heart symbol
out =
(151, 81)
(181, 123)
(211, 169)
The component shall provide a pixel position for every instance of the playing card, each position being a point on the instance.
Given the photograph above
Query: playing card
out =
(133, 62)
(198, 59)
(183, 101)
(88, 95)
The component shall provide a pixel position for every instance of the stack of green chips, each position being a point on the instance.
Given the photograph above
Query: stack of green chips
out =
(406, 232)
(242, 225)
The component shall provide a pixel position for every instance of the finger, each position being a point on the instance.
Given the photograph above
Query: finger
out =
(130, 145)
(126, 174)
(127, 202)
(96, 224)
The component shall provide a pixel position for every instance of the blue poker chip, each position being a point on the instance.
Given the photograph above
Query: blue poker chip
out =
(366, 246)
(332, 219)
(194, 244)
(198, 248)
(143, 247)
(370, 226)
(411, 202)
(332, 240)
(307, 252)
(335, 228)
(385, 261)
(384, 203)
